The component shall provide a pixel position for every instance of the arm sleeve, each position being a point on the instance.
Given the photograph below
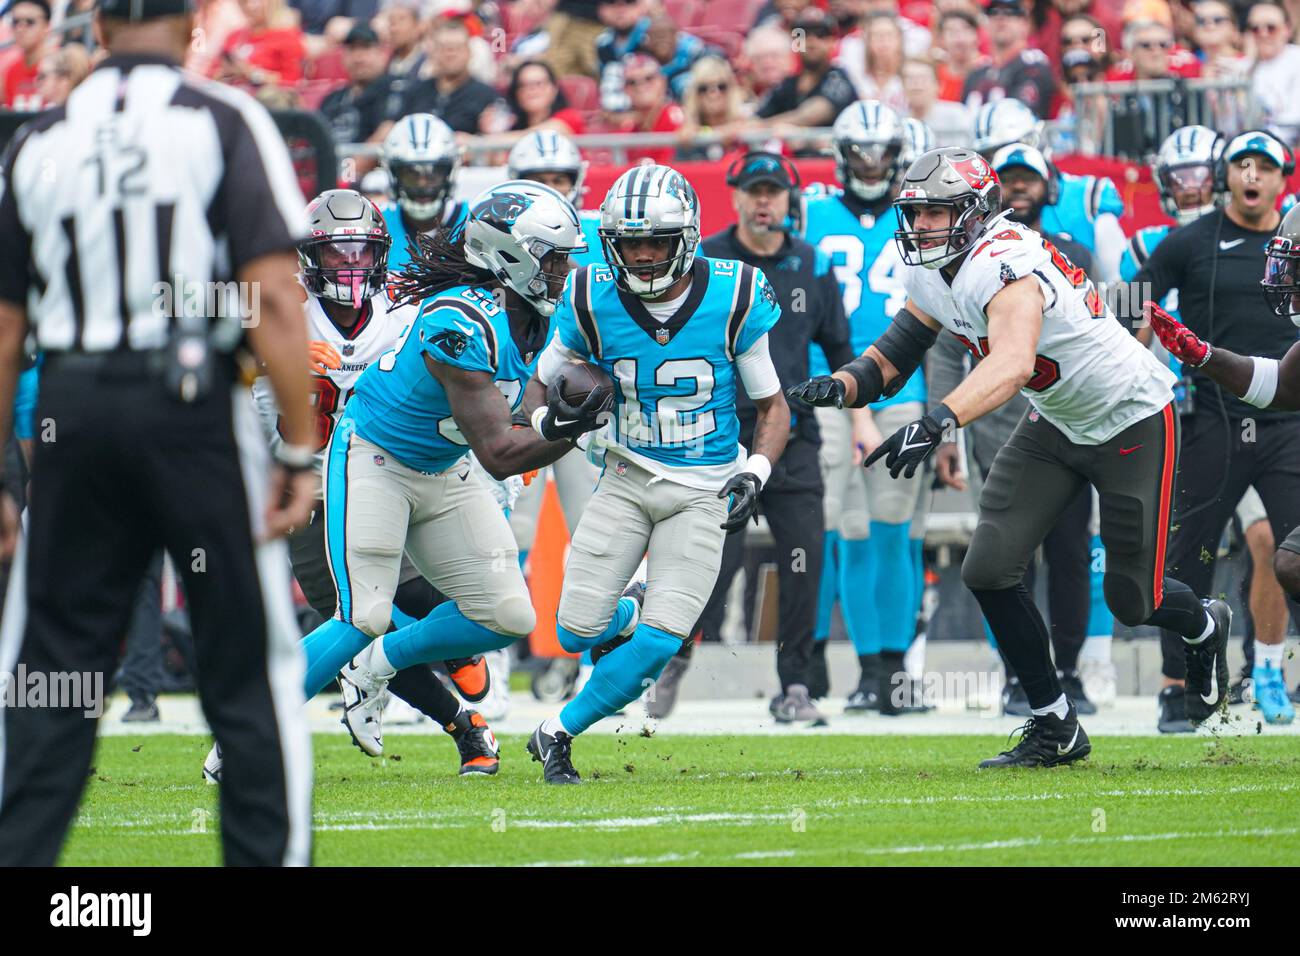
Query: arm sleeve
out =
(945, 368)
(268, 413)
(757, 373)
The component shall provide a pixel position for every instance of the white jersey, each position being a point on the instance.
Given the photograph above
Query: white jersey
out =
(376, 331)
(1092, 378)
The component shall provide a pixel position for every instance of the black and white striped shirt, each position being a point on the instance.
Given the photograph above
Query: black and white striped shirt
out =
(141, 199)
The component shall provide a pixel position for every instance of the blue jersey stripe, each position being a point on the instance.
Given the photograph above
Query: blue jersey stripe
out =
(336, 516)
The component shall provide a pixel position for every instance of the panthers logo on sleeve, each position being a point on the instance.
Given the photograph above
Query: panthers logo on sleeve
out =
(450, 341)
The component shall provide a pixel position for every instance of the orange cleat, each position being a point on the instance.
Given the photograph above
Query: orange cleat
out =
(479, 753)
(471, 677)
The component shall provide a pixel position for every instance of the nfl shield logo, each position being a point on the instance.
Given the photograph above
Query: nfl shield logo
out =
(620, 468)
(661, 336)
(379, 460)
(348, 349)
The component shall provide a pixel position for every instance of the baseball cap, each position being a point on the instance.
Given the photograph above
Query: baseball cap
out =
(1018, 154)
(1256, 141)
(762, 167)
(361, 35)
(815, 22)
(144, 9)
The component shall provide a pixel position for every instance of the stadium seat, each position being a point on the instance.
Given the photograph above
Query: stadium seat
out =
(727, 39)
(582, 92)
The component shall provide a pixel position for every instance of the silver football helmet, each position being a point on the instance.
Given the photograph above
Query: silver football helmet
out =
(345, 255)
(949, 176)
(649, 202)
(1185, 165)
(546, 151)
(1004, 122)
(510, 230)
(421, 157)
(867, 137)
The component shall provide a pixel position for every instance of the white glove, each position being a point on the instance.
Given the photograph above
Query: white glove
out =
(505, 492)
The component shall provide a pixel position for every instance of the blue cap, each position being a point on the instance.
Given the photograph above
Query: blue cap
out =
(1256, 141)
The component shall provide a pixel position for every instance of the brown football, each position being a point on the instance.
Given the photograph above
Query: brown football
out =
(581, 379)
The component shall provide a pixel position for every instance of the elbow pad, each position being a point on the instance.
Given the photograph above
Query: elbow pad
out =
(905, 343)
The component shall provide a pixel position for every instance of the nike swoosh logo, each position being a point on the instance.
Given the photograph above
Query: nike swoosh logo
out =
(908, 443)
(1225, 246)
(1129, 451)
(994, 255)
(1213, 697)
(1062, 751)
(563, 424)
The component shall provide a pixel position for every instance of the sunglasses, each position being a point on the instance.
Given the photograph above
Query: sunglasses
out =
(1154, 44)
(713, 87)
(1003, 12)
(640, 80)
(1211, 21)
(1269, 28)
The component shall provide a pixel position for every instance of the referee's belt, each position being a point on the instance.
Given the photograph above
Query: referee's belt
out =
(125, 364)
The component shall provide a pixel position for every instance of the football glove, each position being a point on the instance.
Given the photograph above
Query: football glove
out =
(1182, 343)
(565, 422)
(908, 448)
(323, 357)
(824, 391)
(743, 490)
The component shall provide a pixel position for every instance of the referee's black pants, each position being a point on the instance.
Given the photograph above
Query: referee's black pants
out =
(791, 501)
(129, 471)
(1215, 469)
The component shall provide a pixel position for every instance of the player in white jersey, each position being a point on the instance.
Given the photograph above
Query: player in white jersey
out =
(1101, 412)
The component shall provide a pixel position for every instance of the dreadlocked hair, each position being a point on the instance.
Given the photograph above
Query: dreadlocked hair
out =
(437, 263)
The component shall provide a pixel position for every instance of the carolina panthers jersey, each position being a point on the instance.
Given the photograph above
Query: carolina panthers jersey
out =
(399, 253)
(589, 219)
(375, 332)
(1091, 377)
(675, 400)
(1082, 199)
(869, 270)
(403, 409)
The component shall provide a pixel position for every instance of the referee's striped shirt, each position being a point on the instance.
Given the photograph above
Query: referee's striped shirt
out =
(149, 188)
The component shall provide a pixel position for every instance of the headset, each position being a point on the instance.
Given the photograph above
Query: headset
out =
(738, 166)
(1221, 152)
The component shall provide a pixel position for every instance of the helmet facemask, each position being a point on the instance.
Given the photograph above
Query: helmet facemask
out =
(1192, 178)
(544, 288)
(957, 238)
(1281, 282)
(349, 270)
(853, 159)
(664, 272)
(422, 188)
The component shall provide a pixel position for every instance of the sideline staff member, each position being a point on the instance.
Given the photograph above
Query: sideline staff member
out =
(144, 178)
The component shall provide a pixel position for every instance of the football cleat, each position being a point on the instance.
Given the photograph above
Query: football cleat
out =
(1045, 741)
(363, 706)
(478, 748)
(1072, 687)
(862, 700)
(471, 677)
(212, 765)
(1207, 665)
(819, 681)
(1172, 716)
(1270, 695)
(795, 706)
(1015, 702)
(496, 704)
(554, 753)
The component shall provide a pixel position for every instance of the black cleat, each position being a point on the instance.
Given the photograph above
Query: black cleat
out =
(1207, 666)
(1015, 702)
(1072, 687)
(1045, 742)
(635, 591)
(867, 696)
(1172, 718)
(554, 754)
(478, 748)
(1241, 690)
(898, 693)
(862, 700)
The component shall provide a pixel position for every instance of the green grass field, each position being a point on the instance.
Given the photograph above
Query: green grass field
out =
(730, 800)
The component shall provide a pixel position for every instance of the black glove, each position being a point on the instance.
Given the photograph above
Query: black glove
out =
(743, 490)
(911, 445)
(825, 391)
(565, 422)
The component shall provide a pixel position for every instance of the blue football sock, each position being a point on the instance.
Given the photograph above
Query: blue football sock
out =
(891, 561)
(444, 633)
(399, 618)
(575, 643)
(857, 596)
(620, 677)
(328, 648)
(828, 591)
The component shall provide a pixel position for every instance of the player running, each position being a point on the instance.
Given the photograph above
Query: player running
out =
(421, 158)
(677, 333)
(1102, 412)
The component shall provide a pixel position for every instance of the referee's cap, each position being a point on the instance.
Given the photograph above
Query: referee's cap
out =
(145, 9)
(1260, 142)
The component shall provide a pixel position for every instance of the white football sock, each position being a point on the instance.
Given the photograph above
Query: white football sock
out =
(1059, 707)
(377, 661)
(553, 726)
(1209, 629)
(1271, 655)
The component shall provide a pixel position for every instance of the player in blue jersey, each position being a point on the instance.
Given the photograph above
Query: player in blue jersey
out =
(421, 158)
(870, 560)
(1087, 208)
(678, 334)
(397, 474)
(551, 158)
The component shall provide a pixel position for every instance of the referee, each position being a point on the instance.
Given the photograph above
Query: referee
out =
(126, 214)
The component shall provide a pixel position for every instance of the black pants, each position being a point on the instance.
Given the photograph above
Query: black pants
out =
(142, 663)
(130, 472)
(792, 503)
(1217, 467)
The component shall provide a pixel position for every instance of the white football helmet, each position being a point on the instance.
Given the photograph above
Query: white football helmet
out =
(546, 151)
(512, 227)
(421, 157)
(872, 133)
(1186, 163)
(650, 201)
(1004, 122)
(917, 139)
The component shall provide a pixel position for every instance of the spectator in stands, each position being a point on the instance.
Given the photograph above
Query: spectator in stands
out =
(952, 122)
(765, 61)
(713, 105)
(819, 91)
(652, 111)
(1016, 70)
(60, 72)
(1147, 41)
(573, 26)
(1085, 57)
(30, 21)
(333, 18)
(1218, 41)
(451, 94)
(269, 50)
(782, 13)
(626, 24)
(1275, 76)
(917, 40)
(676, 51)
(875, 64)
(357, 110)
(537, 102)
(1048, 34)
(214, 21)
(405, 32)
(959, 36)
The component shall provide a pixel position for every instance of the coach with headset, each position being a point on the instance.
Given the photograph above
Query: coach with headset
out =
(1227, 445)
(766, 198)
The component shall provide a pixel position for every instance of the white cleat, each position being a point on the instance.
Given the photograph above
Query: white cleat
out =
(496, 704)
(1100, 680)
(363, 706)
(212, 765)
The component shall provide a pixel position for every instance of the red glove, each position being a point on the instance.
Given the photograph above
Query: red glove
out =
(1182, 343)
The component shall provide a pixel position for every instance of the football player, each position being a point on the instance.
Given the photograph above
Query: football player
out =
(397, 474)
(1102, 412)
(868, 517)
(678, 334)
(421, 158)
(552, 159)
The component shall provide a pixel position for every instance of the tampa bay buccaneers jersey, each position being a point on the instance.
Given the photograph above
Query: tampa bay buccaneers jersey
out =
(1091, 376)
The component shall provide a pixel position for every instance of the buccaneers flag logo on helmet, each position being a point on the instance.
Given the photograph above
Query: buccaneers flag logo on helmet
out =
(975, 171)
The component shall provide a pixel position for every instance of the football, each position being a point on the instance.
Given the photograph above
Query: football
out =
(581, 379)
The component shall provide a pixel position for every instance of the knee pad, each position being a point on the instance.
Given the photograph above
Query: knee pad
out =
(1125, 599)
(513, 614)
(373, 619)
(986, 566)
